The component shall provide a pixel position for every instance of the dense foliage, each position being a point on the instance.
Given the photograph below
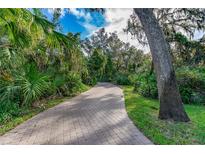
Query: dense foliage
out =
(36, 61)
(127, 65)
(190, 80)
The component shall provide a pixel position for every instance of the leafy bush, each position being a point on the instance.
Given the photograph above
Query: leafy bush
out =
(122, 79)
(85, 76)
(145, 85)
(91, 80)
(88, 78)
(9, 91)
(67, 84)
(33, 84)
(58, 83)
(8, 110)
(9, 100)
(73, 82)
(191, 83)
(26, 87)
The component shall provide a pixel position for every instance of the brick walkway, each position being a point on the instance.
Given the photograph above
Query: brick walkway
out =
(97, 116)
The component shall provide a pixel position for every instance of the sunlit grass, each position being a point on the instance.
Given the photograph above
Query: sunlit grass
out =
(144, 114)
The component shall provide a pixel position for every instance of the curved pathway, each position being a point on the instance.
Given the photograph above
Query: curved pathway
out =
(97, 116)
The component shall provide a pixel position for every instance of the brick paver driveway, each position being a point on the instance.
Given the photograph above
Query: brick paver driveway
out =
(97, 116)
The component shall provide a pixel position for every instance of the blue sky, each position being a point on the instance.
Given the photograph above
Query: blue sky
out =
(78, 20)
(87, 23)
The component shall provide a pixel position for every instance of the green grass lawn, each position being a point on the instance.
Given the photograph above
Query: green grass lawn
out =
(6, 126)
(144, 114)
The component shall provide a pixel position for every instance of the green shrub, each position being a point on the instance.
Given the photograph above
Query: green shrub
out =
(33, 84)
(122, 79)
(91, 81)
(73, 83)
(58, 83)
(67, 84)
(8, 110)
(9, 102)
(85, 77)
(9, 105)
(191, 83)
(26, 87)
(145, 85)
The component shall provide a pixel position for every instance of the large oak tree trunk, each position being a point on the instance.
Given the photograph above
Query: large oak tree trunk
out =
(171, 106)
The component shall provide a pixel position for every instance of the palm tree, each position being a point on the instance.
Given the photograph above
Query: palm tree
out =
(26, 36)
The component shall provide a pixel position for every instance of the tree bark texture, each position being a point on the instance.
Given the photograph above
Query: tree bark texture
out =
(171, 106)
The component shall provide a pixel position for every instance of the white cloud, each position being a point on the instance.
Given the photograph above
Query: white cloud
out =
(63, 12)
(91, 29)
(117, 21)
(80, 13)
(198, 34)
(51, 10)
